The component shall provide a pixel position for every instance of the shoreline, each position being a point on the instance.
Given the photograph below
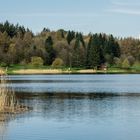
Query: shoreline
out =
(52, 71)
(61, 71)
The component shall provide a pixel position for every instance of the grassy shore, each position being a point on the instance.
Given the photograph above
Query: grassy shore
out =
(18, 69)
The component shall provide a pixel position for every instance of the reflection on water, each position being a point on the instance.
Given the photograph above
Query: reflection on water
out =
(3, 130)
(5, 118)
(120, 84)
(74, 111)
(77, 118)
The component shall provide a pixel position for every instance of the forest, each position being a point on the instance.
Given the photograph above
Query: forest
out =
(20, 46)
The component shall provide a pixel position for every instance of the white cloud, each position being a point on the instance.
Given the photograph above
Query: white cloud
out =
(126, 11)
(123, 7)
(126, 3)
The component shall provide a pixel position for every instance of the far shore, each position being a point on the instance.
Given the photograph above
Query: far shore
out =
(52, 71)
(49, 70)
(72, 71)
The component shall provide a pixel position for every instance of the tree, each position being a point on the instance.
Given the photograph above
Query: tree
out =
(12, 50)
(18, 44)
(78, 53)
(88, 59)
(79, 37)
(111, 49)
(63, 51)
(131, 60)
(70, 36)
(11, 29)
(60, 34)
(117, 62)
(4, 42)
(130, 47)
(95, 55)
(28, 39)
(50, 51)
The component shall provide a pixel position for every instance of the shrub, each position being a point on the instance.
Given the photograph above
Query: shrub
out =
(131, 60)
(58, 62)
(3, 64)
(136, 64)
(125, 64)
(23, 62)
(36, 61)
(117, 61)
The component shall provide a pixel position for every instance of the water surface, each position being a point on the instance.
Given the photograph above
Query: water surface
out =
(75, 107)
(120, 84)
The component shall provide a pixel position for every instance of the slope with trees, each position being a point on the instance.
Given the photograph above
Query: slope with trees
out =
(18, 46)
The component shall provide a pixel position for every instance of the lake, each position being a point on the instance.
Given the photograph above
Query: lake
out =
(75, 107)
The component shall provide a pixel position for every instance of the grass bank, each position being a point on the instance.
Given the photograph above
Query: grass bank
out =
(19, 69)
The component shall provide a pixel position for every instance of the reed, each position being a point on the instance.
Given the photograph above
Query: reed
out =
(8, 101)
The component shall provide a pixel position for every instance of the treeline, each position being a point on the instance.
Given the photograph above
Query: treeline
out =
(19, 45)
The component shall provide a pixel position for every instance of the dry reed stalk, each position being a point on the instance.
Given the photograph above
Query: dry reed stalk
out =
(8, 100)
(7, 96)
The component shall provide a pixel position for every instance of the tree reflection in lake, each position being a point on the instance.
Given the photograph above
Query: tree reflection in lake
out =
(70, 105)
(65, 115)
(3, 129)
(5, 118)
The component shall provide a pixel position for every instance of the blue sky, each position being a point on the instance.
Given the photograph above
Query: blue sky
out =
(117, 17)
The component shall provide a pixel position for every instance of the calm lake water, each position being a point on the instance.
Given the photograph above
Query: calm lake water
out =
(120, 84)
(75, 107)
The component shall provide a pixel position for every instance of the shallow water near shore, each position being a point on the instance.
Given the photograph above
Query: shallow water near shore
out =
(75, 107)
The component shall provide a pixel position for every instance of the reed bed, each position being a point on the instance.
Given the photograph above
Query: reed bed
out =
(8, 101)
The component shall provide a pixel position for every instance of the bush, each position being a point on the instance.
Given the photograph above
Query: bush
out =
(109, 59)
(3, 64)
(136, 64)
(58, 62)
(36, 61)
(131, 60)
(23, 62)
(125, 64)
(117, 61)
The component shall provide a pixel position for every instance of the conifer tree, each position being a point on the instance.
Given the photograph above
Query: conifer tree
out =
(70, 36)
(49, 48)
